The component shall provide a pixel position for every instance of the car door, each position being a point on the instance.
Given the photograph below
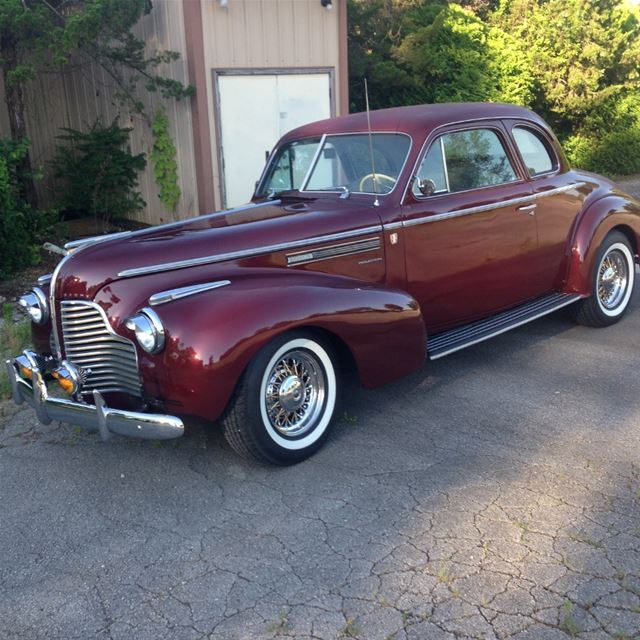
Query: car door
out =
(558, 199)
(469, 234)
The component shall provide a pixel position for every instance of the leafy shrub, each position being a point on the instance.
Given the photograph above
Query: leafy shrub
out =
(609, 140)
(100, 173)
(613, 152)
(21, 227)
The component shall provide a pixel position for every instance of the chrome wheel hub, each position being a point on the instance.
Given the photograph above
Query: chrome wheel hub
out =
(291, 393)
(295, 393)
(612, 279)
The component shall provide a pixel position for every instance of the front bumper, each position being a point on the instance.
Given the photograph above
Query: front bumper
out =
(93, 418)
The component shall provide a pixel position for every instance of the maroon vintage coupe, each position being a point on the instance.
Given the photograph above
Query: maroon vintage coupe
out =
(433, 229)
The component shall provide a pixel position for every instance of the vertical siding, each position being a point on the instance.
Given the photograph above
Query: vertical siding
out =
(76, 99)
(267, 34)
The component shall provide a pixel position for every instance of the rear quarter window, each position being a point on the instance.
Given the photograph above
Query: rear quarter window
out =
(535, 151)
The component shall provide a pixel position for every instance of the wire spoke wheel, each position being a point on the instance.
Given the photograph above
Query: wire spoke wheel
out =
(613, 277)
(295, 393)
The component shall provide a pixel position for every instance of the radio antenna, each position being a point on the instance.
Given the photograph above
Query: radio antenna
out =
(374, 176)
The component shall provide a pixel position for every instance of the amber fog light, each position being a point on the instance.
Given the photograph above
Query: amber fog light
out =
(24, 367)
(35, 305)
(68, 377)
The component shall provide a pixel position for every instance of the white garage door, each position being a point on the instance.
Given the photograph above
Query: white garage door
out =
(255, 111)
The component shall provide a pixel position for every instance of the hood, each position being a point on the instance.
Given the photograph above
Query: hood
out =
(212, 240)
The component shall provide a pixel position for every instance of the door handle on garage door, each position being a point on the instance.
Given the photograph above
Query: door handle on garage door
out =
(528, 208)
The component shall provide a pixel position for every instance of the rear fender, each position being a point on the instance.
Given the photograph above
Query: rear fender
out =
(599, 219)
(211, 337)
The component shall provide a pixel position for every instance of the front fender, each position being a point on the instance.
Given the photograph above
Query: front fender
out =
(211, 337)
(601, 217)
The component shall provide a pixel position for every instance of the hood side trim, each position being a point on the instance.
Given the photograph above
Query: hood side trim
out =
(245, 253)
(162, 297)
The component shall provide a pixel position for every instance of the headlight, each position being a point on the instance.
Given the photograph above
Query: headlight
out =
(148, 329)
(35, 305)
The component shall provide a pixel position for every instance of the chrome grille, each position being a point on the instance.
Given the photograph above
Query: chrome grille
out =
(90, 343)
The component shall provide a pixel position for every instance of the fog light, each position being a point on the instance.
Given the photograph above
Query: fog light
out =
(68, 377)
(25, 372)
(24, 367)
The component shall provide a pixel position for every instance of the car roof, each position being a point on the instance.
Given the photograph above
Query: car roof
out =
(415, 120)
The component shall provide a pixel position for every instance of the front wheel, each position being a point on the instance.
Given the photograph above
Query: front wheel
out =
(613, 281)
(285, 401)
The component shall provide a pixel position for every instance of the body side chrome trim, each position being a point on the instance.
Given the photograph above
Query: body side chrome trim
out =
(334, 251)
(44, 280)
(492, 206)
(162, 297)
(245, 253)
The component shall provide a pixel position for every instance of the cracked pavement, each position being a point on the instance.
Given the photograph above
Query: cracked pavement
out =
(493, 494)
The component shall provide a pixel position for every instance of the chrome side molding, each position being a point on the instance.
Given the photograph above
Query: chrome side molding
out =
(162, 297)
(334, 251)
(245, 253)
(494, 205)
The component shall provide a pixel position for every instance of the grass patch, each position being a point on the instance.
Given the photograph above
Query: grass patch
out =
(351, 629)
(348, 418)
(568, 623)
(282, 626)
(14, 337)
(579, 536)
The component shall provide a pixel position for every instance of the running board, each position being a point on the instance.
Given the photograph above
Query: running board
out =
(448, 342)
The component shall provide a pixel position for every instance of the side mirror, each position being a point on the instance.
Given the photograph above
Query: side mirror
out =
(426, 186)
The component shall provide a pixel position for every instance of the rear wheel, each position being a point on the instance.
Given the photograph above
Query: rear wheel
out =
(285, 401)
(613, 281)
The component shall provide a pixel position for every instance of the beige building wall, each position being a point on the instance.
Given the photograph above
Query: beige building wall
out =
(267, 34)
(77, 99)
(245, 34)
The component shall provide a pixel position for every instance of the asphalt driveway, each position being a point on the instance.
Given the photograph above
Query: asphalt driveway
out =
(495, 493)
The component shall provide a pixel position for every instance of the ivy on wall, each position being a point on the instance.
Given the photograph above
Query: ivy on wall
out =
(163, 156)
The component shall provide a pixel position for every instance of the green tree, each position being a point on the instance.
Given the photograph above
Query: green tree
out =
(585, 54)
(416, 52)
(458, 57)
(100, 173)
(576, 62)
(37, 35)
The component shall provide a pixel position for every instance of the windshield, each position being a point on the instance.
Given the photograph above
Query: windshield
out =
(338, 163)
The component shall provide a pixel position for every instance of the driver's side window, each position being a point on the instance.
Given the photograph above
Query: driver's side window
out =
(464, 160)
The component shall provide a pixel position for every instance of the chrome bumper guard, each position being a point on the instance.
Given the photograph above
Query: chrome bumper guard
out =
(93, 418)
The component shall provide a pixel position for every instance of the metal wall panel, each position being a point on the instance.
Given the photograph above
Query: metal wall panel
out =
(76, 99)
(267, 34)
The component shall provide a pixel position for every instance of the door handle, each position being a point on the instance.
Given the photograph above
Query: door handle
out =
(528, 208)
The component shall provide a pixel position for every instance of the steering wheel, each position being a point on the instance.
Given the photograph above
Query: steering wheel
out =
(379, 177)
